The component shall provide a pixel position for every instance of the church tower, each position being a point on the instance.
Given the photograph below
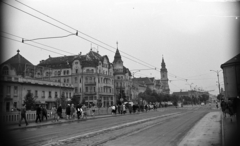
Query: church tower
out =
(164, 78)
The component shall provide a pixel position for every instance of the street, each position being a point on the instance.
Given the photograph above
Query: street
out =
(163, 130)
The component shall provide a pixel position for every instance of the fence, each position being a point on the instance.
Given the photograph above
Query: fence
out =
(14, 117)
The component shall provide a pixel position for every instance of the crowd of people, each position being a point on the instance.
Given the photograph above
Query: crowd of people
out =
(80, 111)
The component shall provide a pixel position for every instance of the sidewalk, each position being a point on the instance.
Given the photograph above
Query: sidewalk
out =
(50, 122)
(213, 130)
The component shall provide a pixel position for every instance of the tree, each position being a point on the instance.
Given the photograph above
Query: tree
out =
(220, 96)
(29, 101)
(75, 100)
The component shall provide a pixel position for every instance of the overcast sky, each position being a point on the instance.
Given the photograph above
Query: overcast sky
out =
(194, 36)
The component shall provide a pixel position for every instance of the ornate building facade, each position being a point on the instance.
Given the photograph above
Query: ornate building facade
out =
(18, 79)
(91, 75)
(122, 77)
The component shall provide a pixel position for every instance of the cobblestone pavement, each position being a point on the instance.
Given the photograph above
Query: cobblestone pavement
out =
(161, 131)
(109, 135)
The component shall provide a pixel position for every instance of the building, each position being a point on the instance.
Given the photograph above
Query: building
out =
(122, 77)
(18, 79)
(231, 72)
(164, 78)
(91, 75)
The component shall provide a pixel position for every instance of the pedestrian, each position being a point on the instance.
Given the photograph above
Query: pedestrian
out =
(217, 105)
(113, 110)
(54, 114)
(44, 113)
(38, 113)
(72, 111)
(68, 110)
(59, 111)
(124, 108)
(78, 109)
(84, 111)
(23, 115)
(93, 110)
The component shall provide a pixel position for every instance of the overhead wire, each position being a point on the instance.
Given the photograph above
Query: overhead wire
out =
(70, 32)
(31, 45)
(81, 32)
(37, 42)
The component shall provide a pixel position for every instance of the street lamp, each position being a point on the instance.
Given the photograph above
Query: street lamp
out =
(217, 71)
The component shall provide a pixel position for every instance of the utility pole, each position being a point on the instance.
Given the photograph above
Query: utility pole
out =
(217, 71)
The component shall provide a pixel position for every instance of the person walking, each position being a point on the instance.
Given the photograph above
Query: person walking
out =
(72, 111)
(68, 109)
(84, 111)
(124, 108)
(23, 115)
(78, 108)
(38, 113)
(44, 113)
(114, 110)
(93, 110)
(54, 114)
(59, 111)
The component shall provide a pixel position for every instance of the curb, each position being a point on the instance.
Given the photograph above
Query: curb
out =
(61, 122)
(56, 123)
(109, 129)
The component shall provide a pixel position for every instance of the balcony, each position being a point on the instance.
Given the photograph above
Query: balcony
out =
(35, 81)
(90, 93)
(90, 83)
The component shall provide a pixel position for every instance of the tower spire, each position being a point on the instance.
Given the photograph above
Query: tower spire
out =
(117, 45)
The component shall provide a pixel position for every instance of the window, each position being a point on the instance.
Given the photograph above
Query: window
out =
(76, 62)
(80, 80)
(67, 80)
(56, 95)
(59, 73)
(76, 89)
(43, 94)
(76, 70)
(64, 80)
(93, 89)
(49, 94)
(5, 70)
(70, 95)
(80, 90)
(7, 106)
(15, 90)
(86, 89)
(8, 90)
(36, 93)
(75, 79)
(118, 77)
(67, 72)
(64, 72)
(55, 73)
(15, 104)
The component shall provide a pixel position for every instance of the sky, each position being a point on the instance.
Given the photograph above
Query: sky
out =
(193, 36)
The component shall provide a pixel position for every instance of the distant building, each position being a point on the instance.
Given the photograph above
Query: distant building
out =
(18, 79)
(164, 78)
(122, 77)
(91, 75)
(231, 72)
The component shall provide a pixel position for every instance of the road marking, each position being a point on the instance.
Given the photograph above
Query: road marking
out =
(110, 128)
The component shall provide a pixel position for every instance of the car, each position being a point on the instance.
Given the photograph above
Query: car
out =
(202, 104)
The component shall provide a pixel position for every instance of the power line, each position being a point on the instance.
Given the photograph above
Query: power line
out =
(37, 42)
(34, 16)
(80, 32)
(31, 45)
(70, 32)
(50, 37)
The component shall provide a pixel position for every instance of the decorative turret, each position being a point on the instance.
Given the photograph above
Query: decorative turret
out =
(117, 56)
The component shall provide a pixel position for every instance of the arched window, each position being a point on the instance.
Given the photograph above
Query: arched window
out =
(67, 72)
(92, 71)
(5, 70)
(87, 70)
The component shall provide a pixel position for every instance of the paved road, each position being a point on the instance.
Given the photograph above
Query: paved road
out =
(52, 133)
